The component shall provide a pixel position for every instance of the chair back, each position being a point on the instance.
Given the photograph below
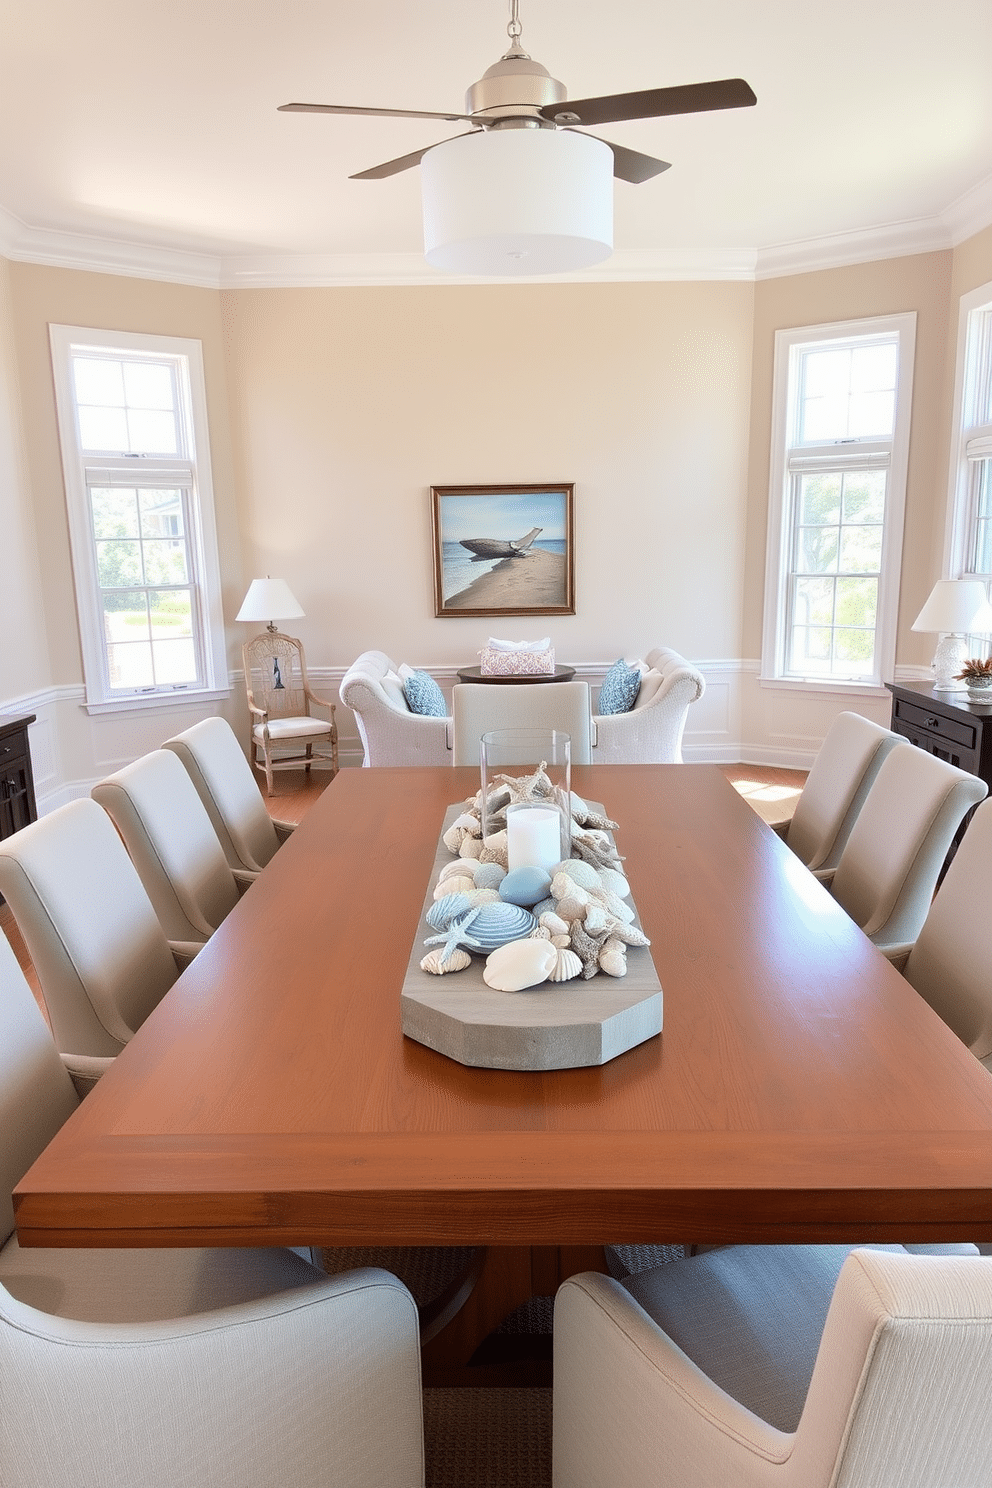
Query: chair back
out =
(166, 830)
(478, 707)
(215, 762)
(276, 675)
(36, 1093)
(900, 1395)
(101, 956)
(837, 787)
(890, 866)
(950, 964)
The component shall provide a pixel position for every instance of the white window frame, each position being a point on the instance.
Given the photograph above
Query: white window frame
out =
(852, 454)
(971, 438)
(191, 471)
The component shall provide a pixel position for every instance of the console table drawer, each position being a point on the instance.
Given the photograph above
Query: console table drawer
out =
(959, 730)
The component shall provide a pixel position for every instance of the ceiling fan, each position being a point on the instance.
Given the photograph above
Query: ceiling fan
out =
(518, 93)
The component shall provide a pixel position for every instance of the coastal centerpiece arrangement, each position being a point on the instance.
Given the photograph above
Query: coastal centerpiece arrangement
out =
(561, 931)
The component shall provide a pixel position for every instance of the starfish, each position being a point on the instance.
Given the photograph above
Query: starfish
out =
(455, 936)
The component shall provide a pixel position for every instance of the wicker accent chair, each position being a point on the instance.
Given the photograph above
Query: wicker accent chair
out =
(798, 1366)
(390, 733)
(279, 703)
(215, 1367)
(651, 733)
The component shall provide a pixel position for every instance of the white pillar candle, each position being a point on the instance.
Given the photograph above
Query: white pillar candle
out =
(533, 837)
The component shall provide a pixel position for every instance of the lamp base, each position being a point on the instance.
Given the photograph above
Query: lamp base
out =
(949, 657)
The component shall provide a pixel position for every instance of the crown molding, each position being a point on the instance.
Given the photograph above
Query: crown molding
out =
(19, 242)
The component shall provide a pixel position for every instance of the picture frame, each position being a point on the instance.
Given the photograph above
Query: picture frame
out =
(503, 550)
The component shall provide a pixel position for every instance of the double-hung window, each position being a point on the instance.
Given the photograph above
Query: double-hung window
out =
(135, 455)
(970, 529)
(840, 440)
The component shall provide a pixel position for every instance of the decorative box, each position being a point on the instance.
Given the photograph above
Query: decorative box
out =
(528, 659)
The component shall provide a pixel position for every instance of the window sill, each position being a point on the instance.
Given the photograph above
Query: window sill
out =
(155, 702)
(825, 686)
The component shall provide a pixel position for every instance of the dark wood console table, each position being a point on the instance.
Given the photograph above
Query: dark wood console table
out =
(17, 803)
(945, 724)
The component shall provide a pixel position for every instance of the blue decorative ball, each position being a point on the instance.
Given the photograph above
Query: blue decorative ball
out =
(525, 886)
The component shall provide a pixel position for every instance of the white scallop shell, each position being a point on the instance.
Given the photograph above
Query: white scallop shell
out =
(566, 967)
(456, 869)
(439, 965)
(520, 964)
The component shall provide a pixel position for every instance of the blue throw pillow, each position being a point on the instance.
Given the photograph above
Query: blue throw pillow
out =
(621, 684)
(424, 696)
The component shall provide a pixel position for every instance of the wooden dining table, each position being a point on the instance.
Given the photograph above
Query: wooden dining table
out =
(800, 1089)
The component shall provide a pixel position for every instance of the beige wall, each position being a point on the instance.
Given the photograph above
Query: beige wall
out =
(333, 411)
(349, 404)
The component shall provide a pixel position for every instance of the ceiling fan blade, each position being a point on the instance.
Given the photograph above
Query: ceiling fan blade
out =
(402, 162)
(344, 108)
(631, 165)
(653, 103)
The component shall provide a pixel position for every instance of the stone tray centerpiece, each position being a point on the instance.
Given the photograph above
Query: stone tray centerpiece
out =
(608, 999)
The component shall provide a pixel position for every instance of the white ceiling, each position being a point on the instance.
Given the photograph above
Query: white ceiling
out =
(143, 134)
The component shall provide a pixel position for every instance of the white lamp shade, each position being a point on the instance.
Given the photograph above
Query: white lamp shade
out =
(517, 201)
(270, 599)
(954, 606)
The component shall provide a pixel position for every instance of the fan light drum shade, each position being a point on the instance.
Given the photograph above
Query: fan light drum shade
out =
(517, 201)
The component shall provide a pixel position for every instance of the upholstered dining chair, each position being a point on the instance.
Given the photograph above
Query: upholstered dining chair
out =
(801, 1366)
(892, 860)
(215, 762)
(836, 788)
(154, 805)
(949, 965)
(185, 1368)
(478, 707)
(285, 735)
(101, 955)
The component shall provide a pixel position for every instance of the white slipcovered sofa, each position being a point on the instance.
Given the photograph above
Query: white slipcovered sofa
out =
(651, 733)
(391, 734)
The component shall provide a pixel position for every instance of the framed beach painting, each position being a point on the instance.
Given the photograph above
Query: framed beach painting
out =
(503, 550)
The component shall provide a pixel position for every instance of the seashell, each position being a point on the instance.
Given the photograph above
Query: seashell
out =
(495, 924)
(595, 919)
(546, 906)
(613, 958)
(571, 909)
(471, 848)
(470, 822)
(457, 869)
(494, 849)
(443, 911)
(566, 967)
(614, 882)
(563, 886)
(563, 942)
(581, 873)
(489, 875)
(482, 896)
(520, 964)
(525, 886)
(454, 885)
(439, 964)
(554, 922)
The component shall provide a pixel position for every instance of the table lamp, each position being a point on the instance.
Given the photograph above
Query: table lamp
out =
(270, 600)
(955, 609)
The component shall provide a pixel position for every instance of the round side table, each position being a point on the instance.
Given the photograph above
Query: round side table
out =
(475, 674)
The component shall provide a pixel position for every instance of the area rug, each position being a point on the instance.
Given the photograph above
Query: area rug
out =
(487, 1438)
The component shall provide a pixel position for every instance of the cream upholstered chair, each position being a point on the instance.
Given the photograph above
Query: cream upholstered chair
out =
(651, 733)
(215, 762)
(284, 733)
(796, 1366)
(478, 707)
(390, 732)
(157, 1367)
(836, 788)
(949, 965)
(166, 830)
(889, 868)
(101, 955)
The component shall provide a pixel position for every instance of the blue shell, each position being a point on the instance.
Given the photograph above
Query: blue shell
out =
(525, 886)
(493, 925)
(446, 909)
